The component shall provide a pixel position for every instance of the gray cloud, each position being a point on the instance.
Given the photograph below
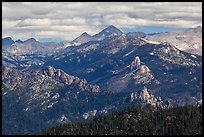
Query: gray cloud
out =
(68, 20)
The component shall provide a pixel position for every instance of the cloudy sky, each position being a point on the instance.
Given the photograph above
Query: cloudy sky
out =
(65, 21)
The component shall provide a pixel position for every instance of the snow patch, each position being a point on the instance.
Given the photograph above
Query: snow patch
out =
(127, 66)
(113, 72)
(151, 53)
(193, 56)
(128, 53)
(43, 76)
(152, 42)
(50, 105)
(200, 101)
(26, 109)
(4, 93)
(27, 65)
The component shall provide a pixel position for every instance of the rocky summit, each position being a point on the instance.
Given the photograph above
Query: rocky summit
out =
(136, 62)
(145, 96)
(83, 38)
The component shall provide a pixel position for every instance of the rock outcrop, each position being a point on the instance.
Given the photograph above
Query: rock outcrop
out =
(69, 79)
(146, 97)
(14, 77)
(141, 73)
(136, 62)
(50, 71)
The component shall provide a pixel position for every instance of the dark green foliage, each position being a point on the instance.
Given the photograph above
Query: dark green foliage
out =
(137, 120)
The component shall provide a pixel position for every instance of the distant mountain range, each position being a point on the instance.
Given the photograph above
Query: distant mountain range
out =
(188, 40)
(94, 75)
(109, 31)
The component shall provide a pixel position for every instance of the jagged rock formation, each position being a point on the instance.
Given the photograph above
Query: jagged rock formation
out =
(136, 74)
(146, 97)
(69, 79)
(144, 94)
(40, 96)
(15, 77)
(109, 31)
(141, 73)
(136, 62)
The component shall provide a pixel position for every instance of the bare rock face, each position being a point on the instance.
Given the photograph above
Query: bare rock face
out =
(146, 97)
(137, 73)
(83, 38)
(58, 73)
(144, 94)
(141, 73)
(136, 62)
(142, 70)
(16, 77)
(95, 88)
(70, 80)
(50, 71)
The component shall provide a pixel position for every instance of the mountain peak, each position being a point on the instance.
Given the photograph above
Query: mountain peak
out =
(198, 27)
(30, 40)
(19, 41)
(9, 38)
(135, 63)
(112, 27)
(84, 37)
(69, 79)
(110, 30)
(84, 34)
(7, 41)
